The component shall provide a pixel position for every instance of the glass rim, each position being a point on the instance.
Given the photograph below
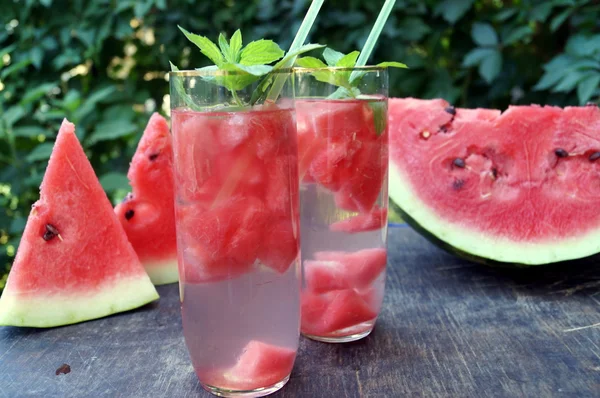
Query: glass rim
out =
(221, 72)
(366, 68)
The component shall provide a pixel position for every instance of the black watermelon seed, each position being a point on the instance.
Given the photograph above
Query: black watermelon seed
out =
(451, 110)
(63, 369)
(459, 162)
(127, 197)
(458, 184)
(495, 173)
(153, 157)
(128, 214)
(594, 156)
(561, 153)
(50, 233)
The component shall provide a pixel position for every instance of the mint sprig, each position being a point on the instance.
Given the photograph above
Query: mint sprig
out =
(248, 64)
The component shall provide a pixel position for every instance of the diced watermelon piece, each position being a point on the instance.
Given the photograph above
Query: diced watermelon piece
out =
(280, 245)
(363, 186)
(222, 242)
(260, 365)
(74, 262)
(148, 215)
(282, 186)
(324, 276)
(374, 220)
(333, 165)
(323, 315)
(359, 269)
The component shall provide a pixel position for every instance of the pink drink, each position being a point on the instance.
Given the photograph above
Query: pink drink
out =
(343, 162)
(238, 243)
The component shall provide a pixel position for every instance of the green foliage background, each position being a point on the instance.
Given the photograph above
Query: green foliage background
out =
(102, 65)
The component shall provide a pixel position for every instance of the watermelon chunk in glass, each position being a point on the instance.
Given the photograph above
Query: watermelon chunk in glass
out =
(259, 365)
(324, 315)
(342, 270)
(74, 262)
(148, 214)
(363, 222)
(279, 247)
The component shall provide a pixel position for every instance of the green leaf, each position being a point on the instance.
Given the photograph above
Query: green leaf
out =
(587, 87)
(558, 20)
(113, 181)
(505, 14)
(235, 45)
(310, 62)
(36, 55)
(379, 115)
(549, 79)
(40, 152)
(112, 129)
(392, 64)
(453, 10)
(256, 70)
(261, 52)
(332, 57)
(13, 115)
(568, 82)
(225, 50)
(348, 60)
(17, 225)
(490, 67)
(517, 34)
(36, 93)
(475, 56)
(206, 46)
(289, 58)
(30, 131)
(484, 34)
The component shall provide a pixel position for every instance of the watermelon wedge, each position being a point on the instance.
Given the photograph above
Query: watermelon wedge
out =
(514, 188)
(74, 262)
(148, 214)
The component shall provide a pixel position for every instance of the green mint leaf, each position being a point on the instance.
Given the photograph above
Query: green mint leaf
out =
(310, 62)
(379, 109)
(237, 80)
(392, 64)
(256, 70)
(261, 52)
(181, 90)
(344, 93)
(332, 57)
(289, 58)
(235, 45)
(206, 46)
(225, 50)
(348, 60)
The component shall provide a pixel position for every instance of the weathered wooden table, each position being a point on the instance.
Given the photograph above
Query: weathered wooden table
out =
(448, 329)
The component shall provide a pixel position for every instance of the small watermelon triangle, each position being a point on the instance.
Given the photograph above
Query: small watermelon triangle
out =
(74, 262)
(148, 214)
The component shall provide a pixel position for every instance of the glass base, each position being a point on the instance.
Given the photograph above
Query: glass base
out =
(339, 339)
(258, 392)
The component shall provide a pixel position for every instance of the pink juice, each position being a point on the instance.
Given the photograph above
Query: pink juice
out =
(343, 160)
(236, 208)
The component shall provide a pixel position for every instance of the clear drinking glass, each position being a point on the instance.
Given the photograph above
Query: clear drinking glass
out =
(236, 204)
(343, 163)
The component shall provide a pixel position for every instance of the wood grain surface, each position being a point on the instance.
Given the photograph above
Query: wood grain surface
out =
(448, 328)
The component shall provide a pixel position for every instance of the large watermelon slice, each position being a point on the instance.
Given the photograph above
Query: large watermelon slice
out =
(74, 262)
(520, 187)
(148, 214)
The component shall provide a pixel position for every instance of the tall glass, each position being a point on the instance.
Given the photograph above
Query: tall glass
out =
(343, 163)
(236, 204)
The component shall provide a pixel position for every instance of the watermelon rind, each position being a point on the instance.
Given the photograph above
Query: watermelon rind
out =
(63, 308)
(475, 245)
(162, 272)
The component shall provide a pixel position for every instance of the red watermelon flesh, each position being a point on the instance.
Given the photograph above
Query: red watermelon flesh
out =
(259, 365)
(324, 315)
(148, 214)
(523, 189)
(340, 150)
(376, 219)
(240, 207)
(74, 262)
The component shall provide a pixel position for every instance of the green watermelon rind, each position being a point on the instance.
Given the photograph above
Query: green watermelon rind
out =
(162, 272)
(66, 308)
(474, 245)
